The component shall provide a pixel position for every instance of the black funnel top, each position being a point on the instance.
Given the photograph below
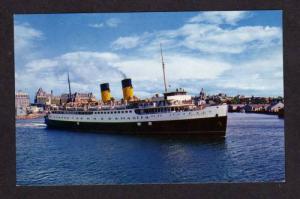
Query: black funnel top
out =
(126, 83)
(104, 87)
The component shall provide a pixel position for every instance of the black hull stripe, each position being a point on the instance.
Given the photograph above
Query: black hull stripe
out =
(205, 126)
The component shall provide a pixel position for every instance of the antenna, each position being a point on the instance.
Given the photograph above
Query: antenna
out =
(70, 93)
(163, 66)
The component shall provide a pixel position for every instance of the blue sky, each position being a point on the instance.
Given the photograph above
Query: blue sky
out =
(233, 52)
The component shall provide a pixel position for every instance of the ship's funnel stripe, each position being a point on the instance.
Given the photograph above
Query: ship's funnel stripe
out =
(127, 89)
(126, 83)
(104, 87)
(105, 92)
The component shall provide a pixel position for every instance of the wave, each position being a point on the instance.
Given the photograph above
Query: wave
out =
(31, 125)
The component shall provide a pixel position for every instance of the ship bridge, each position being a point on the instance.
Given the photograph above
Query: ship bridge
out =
(179, 95)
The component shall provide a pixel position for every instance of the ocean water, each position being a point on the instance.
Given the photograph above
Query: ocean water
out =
(253, 151)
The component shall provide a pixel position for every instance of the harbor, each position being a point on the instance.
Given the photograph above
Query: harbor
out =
(253, 151)
(46, 101)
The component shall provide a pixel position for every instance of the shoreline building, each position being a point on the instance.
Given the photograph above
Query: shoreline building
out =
(78, 98)
(22, 102)
(42, 98)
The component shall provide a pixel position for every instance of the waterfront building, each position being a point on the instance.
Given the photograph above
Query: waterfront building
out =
(64, 98)
(235, 107)
(21, 102)
(78, 98)
(255, 107)
(22, 99)
(55, 100)
(275, 107)
(42, 98)
(84, 98)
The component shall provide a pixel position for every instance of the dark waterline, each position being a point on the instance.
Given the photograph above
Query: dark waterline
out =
(253, 151)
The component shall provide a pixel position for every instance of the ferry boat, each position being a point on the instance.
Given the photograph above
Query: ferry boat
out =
(174, 112)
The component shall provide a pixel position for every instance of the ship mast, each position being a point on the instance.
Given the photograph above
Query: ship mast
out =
(163, 66)
(70, 93)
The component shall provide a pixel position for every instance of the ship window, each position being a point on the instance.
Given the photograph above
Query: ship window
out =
(126, 111)
(130, 111)
(115, 112)
(104, 112)
(118, 111)
(128, 118)
(122, 111)
(116, 118)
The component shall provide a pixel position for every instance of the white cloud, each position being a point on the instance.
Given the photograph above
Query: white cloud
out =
(208, 38)
(25, 37)
(188, 67)
(243, 58)
(177, 67)
(219, 17)
(263, 73)
(200, 53)
(87, 69)
(235, 40)
(126, 42)
(113, 22)
(214, 39)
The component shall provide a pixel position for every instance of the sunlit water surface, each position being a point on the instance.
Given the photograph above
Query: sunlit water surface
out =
(253, 151)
